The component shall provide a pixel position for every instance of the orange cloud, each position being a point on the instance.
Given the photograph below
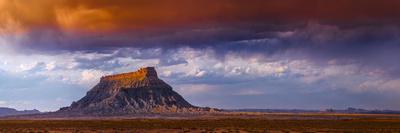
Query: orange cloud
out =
(18, 16)
(83, 18)
(106, 15)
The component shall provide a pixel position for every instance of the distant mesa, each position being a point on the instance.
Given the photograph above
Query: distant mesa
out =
(10, 111)
(130, 93)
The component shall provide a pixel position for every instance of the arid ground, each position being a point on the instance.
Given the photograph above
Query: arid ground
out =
(219, 123)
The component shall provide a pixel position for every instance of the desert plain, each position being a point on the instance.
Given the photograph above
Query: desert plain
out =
(208, 123)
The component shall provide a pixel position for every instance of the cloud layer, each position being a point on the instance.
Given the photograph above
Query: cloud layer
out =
(93, 25)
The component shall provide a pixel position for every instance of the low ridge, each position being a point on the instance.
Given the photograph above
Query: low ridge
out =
(129, 93)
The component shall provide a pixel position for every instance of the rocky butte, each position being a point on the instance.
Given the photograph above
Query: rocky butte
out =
(132, 93)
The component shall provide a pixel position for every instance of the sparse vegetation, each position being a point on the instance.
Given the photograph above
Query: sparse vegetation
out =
(204, 125)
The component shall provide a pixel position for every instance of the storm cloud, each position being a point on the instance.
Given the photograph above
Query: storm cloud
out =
(95, 25)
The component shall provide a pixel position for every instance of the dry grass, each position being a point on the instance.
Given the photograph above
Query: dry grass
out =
(203, 125)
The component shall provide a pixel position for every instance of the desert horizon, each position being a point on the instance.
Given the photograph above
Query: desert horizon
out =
(141, 102)
(142, 72)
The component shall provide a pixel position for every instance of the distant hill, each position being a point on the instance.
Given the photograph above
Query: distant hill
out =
(342, 111)
(131, 93)
(362, 111)
(274, 110)
(10, 111)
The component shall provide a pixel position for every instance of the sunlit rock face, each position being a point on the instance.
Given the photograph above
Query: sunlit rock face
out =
(135, 92)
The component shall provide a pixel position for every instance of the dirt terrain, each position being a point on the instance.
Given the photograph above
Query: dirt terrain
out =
(235, 122)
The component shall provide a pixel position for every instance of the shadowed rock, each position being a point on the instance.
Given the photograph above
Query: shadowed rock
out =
(128, 93)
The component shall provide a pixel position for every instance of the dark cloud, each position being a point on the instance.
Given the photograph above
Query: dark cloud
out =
(371, 47)
(363, 33)
(94, 25)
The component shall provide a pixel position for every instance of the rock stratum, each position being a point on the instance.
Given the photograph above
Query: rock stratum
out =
(131, 93)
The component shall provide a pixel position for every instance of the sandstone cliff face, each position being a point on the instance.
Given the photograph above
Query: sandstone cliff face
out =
(136, 92)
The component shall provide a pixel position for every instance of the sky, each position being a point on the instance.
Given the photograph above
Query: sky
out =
(277, 54)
